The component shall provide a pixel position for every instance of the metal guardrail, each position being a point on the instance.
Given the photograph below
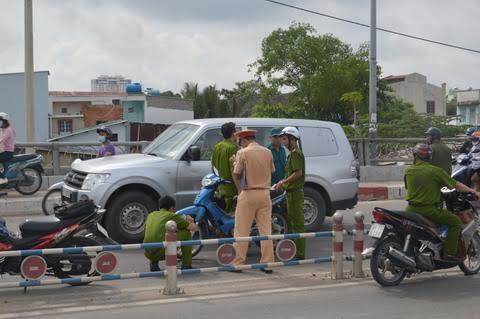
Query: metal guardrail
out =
(171, 245)
(392, 150)
(58, 156)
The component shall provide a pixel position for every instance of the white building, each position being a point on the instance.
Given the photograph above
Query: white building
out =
(105, 83)
(414, 88)
(468, 107)
(12, 101)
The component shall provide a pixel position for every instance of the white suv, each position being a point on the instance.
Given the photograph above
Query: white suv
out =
(128, 186)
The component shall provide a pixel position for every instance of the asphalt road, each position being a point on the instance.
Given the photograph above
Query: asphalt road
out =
(295, 289)
(452, 297)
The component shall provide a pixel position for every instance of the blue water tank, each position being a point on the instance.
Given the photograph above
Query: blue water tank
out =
(134, 88)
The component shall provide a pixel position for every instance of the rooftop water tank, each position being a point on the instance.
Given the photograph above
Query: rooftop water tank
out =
(134, 88)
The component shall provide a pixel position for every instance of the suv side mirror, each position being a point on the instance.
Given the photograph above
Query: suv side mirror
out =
(194, 153)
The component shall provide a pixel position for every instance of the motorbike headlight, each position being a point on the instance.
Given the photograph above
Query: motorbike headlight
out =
(207, 182)
(94, 179)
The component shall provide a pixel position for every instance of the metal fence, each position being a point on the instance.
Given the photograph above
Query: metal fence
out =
(58, 156)
(392, 150)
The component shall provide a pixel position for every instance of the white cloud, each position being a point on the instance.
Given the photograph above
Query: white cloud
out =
(165, 43)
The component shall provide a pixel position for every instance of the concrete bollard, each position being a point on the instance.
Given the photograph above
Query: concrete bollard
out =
(171, 287)
(358, 234)
(337, 262)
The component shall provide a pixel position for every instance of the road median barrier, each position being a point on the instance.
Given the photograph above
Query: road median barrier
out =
(105, 264)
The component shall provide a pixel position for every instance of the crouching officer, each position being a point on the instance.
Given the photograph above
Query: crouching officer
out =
(294, 184)
(155, 230)
(252, 175)
(423, 182)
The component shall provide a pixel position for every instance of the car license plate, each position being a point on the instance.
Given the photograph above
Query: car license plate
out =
(66, 193)
(376, 231)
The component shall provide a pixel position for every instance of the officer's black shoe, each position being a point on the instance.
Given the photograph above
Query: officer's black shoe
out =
(154, 267)
(266, 270)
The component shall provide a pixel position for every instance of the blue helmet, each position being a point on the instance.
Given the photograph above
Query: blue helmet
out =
(470, 131)
(106, 130)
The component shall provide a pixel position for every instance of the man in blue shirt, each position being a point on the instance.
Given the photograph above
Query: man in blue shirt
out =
(279, 155)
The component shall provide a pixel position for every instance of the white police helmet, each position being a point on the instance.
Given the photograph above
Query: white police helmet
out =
(293, 131)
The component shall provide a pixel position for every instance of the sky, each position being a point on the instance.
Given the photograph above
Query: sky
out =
(164, 43)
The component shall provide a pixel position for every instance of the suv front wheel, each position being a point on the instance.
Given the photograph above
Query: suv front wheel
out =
(127, 214)
(314, 209)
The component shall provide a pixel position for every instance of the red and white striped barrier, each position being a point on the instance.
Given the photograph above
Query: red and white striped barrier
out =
(358, 234)
(171, 287)
(337, 263)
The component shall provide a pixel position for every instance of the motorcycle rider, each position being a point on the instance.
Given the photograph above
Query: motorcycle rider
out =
(294, 183)
(467, 145)
(423, 182)
(107, 148)
(222, 156)
(441, 153)
(475, 150)
(7, 144)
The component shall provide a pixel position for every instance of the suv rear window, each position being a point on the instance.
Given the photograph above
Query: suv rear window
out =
(318, 141)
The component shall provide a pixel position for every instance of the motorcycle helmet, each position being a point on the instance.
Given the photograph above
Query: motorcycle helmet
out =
(470, 131)
(423, 152)
(434, 132)
(106, 130)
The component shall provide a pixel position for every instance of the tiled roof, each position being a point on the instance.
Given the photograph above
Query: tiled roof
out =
(394, 78)
(166, 102)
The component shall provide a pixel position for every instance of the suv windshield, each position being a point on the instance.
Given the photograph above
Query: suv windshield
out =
(172, 141)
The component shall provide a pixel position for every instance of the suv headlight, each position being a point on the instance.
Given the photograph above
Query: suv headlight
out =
(207, 182)
(94, 179)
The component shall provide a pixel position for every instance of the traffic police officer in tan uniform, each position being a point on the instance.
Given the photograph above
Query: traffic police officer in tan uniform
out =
(252, 174)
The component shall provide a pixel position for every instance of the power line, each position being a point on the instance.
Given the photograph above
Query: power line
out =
(368, 26)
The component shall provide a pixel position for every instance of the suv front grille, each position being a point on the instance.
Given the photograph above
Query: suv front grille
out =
(75, 179)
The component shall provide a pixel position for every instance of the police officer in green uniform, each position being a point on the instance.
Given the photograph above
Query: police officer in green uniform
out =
(441, 153)
(423, 182)
(279, 154)
(222, 161)
(293, 183)
(155, 232)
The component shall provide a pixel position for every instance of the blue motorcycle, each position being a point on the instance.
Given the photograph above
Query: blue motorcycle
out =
(24, 173)
(213, 222)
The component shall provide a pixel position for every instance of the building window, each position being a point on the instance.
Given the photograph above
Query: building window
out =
(116, 102)
(430, 107)
(64, 110)
(65, 127)
(114, 137)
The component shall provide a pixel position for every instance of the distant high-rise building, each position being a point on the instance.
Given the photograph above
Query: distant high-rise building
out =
(105, 83)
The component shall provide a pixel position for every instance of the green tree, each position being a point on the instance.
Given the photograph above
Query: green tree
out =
(354, 98)
(315, 69)
(452, 107)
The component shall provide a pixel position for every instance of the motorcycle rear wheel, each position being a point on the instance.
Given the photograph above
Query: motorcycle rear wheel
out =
(471, 264)
(36, 184)
(379, 265)
(78, 242)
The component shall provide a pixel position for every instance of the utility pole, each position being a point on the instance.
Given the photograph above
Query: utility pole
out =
(29, 109)
(372, 130)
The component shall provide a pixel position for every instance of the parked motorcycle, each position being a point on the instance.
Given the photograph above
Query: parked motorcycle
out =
(213, 222)
(409, 243)
(52, 199)
(24, 173)
(75, 225)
